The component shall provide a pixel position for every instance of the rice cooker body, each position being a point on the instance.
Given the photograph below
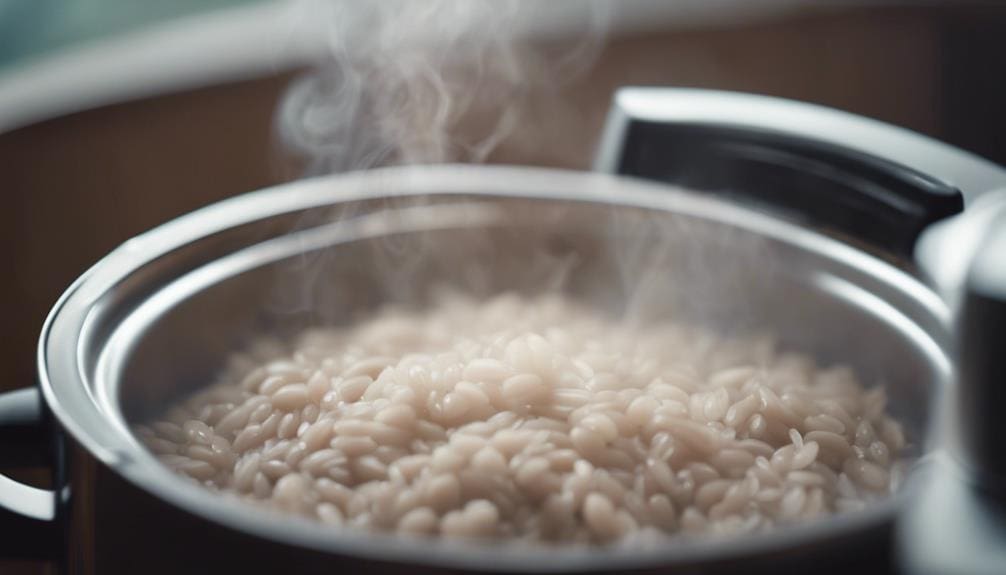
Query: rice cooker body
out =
(113, 509)
(117, 488)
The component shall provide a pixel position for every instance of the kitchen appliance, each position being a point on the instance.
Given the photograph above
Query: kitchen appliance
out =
(768, 213)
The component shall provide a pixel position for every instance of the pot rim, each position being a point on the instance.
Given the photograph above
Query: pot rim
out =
(81, 411)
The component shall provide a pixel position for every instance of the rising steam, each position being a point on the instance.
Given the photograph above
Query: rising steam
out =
(419, 82)
(407, 82)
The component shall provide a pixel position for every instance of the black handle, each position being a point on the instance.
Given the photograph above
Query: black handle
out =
(789, 169)
(28, 528)
(25, 439)
(838, 189)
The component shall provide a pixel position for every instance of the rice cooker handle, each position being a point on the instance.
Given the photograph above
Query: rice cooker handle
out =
(861, 179)
(27, 514)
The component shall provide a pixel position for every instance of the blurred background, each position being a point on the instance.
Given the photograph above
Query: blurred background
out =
(117, 115)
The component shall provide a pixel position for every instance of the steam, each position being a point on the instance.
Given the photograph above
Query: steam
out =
(407, 82)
